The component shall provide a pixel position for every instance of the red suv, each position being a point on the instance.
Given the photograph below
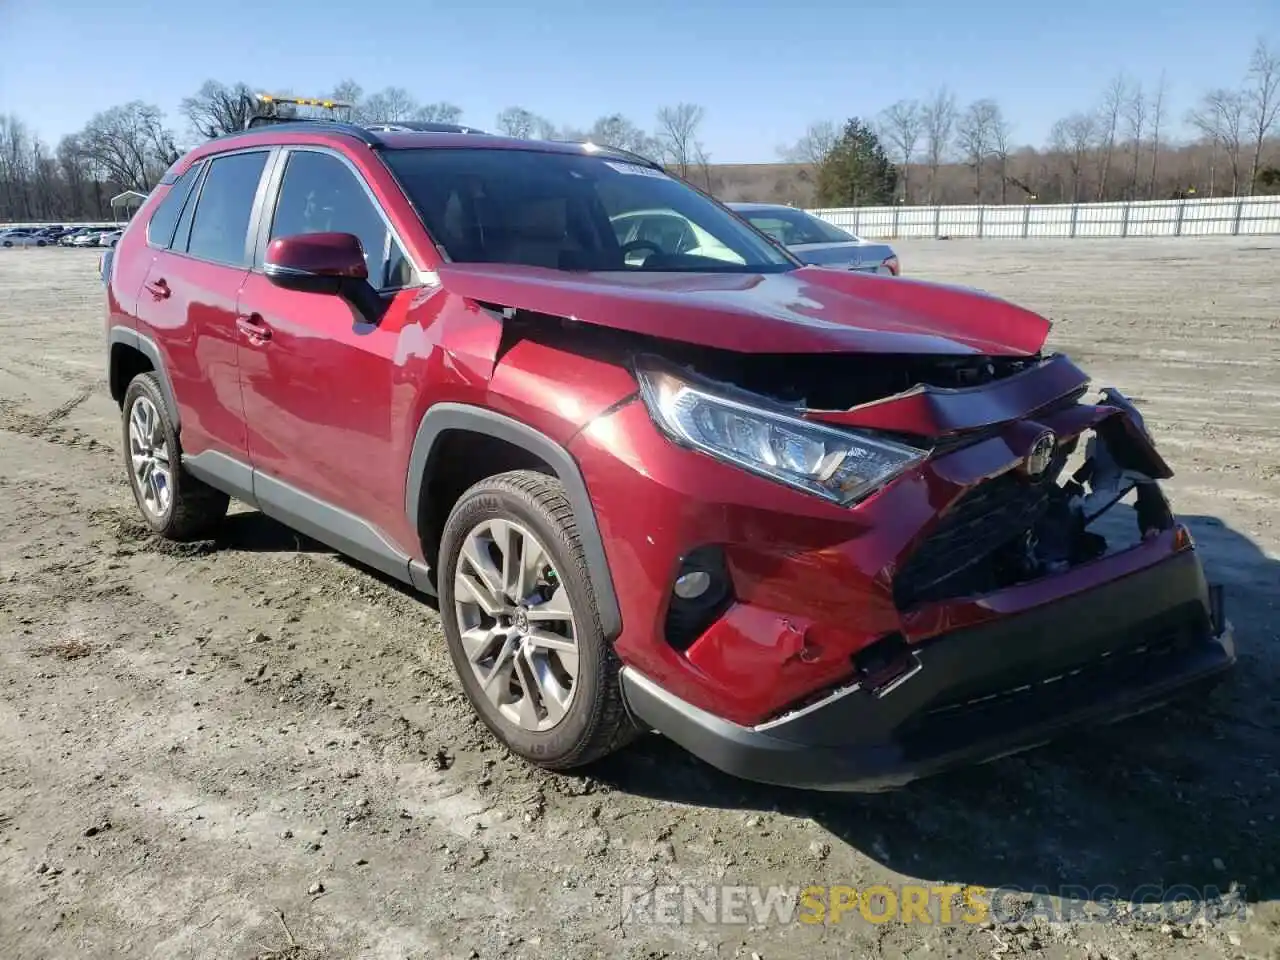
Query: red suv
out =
(821, 528)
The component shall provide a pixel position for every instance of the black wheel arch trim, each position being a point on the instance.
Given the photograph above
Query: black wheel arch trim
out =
(444, 417)
(147, 347)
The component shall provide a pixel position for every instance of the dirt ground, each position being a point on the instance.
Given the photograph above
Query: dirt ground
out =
(253, 748)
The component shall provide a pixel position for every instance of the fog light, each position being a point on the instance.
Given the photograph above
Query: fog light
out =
(690, 586)
(701, 591)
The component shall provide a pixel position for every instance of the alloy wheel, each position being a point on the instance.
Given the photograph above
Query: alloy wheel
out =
(516, 624)
(149, 457)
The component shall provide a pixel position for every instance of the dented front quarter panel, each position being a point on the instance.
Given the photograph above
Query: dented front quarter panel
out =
(450, 349)
(554, 392)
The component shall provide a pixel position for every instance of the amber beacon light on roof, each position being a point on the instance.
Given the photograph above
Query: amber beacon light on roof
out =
(269, 107)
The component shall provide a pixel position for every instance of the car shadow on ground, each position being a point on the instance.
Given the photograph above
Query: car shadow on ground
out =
(252, 531)
(1184, 796)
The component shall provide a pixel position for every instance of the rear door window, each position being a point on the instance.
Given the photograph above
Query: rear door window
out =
(220, 227)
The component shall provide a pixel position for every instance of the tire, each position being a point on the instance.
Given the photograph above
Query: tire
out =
(594, 722)
(174, 504)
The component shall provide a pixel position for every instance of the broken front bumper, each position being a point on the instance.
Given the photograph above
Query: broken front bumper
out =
(985, 691)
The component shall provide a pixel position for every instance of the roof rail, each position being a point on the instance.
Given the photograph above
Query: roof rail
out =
(420, 126)
(615, 151)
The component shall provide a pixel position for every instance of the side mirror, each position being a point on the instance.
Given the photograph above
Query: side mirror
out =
(315, 262)
(331, 263)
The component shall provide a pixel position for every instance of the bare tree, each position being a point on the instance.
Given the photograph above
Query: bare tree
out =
(545, 129)
(439, 112)
(517, 122)
(902, 124)
(129, 145)
(84, 193)
(814, 146)
(678, 134)
(1157, 117)
(616, 130)
(1075, 136)
(1135, 124)
(15, 168)
(217, 108)
(939, 118)
(350, 92)
(1113, 100)
(1262, 101)
(388, 106)
(1220, 120)
(975, 136)
(1001, 131)
(703, 160)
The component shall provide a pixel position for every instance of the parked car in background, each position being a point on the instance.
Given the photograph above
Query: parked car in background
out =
(68, 238)
(823, 529)
(108, 238)
(88, 237)
(22, 238)
(817, 242)
(641, 232)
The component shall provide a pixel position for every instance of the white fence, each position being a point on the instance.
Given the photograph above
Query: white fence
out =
(1230, 216)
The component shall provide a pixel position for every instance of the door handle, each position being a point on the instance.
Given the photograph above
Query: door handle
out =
(159, 289)
(254, 327)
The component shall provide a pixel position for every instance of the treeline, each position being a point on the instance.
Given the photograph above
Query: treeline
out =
(1125, 146)
(1120, 148)
(130, 146)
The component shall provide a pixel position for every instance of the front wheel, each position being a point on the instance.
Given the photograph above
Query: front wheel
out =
(520, 618)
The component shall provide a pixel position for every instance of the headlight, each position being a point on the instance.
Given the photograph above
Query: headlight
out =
(837, 465)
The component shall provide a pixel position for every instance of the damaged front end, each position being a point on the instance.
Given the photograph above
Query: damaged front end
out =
(1048, 511)
(1022, 471)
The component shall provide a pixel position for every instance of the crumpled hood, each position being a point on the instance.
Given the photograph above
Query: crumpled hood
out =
(809, 310)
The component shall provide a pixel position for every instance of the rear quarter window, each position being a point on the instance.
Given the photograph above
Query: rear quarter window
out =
(165, 219)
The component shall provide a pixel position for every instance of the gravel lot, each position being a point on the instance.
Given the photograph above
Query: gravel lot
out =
(253, 748)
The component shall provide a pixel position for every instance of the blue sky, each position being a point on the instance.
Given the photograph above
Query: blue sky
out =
(762, 70)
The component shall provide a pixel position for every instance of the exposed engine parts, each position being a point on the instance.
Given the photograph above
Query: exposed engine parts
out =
(1015, 528)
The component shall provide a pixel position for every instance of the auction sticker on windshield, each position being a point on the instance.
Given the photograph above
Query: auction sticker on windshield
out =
(636, 170)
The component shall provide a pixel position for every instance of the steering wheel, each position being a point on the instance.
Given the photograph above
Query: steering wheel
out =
(634, 245)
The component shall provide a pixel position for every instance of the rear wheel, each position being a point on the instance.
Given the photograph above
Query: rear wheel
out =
(521, 622)
(174, 504)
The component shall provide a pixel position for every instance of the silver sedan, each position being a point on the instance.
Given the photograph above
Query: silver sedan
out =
(817, 242)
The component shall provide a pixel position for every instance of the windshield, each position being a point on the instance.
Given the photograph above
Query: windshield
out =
(574, 212)
(790, 227)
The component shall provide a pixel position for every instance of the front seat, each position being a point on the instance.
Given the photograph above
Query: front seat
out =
(536, 234)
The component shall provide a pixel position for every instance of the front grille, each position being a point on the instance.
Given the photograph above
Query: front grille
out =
(988, 517)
